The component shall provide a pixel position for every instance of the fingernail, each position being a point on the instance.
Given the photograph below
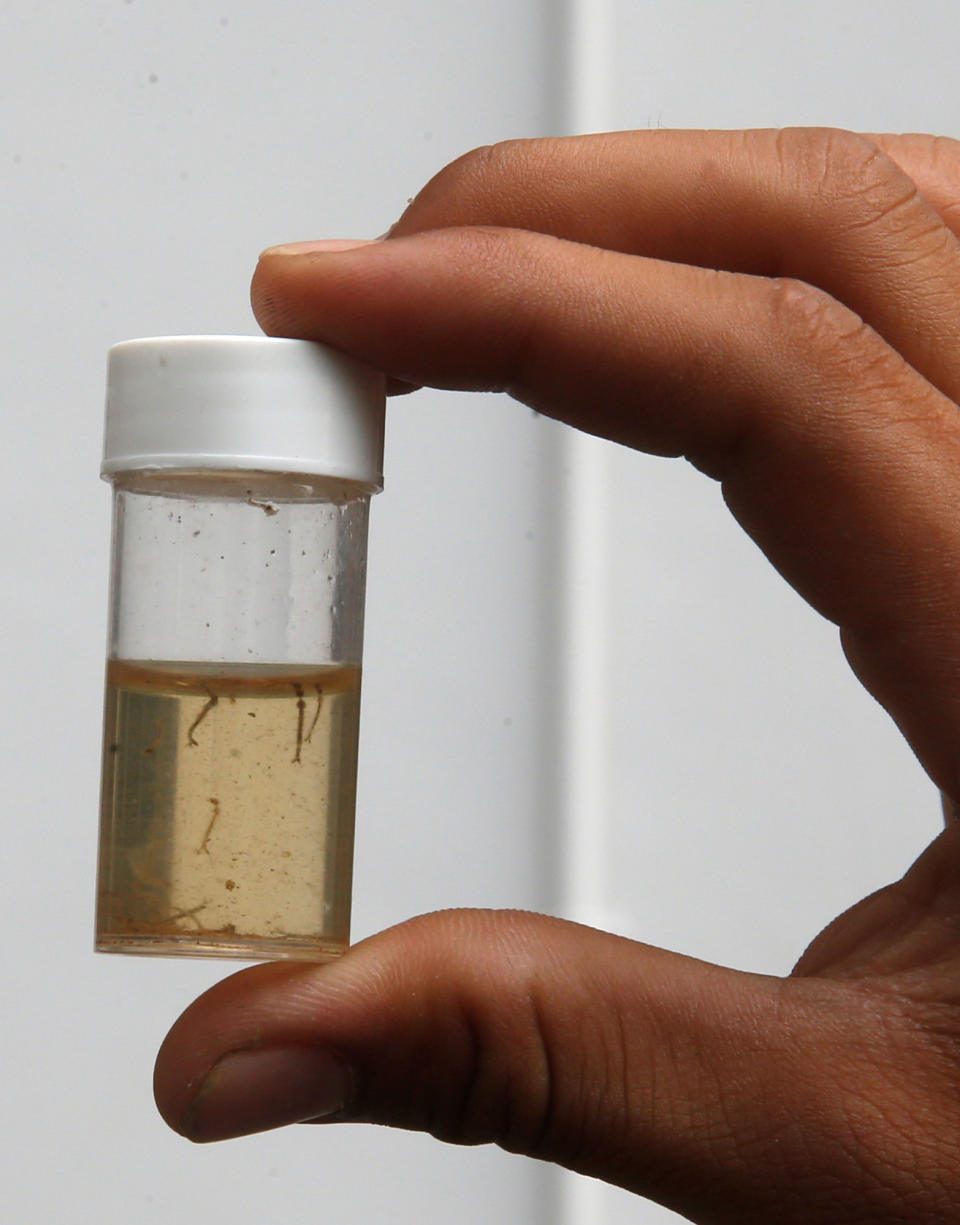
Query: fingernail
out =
(250, 1091)
(319, 246)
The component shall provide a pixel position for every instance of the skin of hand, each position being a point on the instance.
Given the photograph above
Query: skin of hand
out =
(783, 309)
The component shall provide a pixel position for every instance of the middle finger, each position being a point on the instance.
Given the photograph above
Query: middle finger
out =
(827, 207)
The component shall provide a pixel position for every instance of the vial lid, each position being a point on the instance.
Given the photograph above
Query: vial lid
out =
(253, 403)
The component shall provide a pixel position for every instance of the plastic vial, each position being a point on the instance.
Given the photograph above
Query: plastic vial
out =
(242, 469)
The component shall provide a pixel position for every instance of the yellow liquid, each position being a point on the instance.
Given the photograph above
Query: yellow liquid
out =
(228, 808)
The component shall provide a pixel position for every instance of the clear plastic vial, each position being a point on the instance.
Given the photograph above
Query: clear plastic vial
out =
(242, 469)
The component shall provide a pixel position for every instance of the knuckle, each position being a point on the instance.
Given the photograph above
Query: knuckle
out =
(476, 178)
(857, 179)
(803, 314)
(824, 157)
(478, 165)
(513, 1069)
(490, 1079)
(828, 337)
(491, 161)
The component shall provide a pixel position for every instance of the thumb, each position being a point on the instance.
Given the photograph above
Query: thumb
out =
(689, 1083)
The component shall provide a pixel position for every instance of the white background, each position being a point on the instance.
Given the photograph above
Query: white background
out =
(148, 150)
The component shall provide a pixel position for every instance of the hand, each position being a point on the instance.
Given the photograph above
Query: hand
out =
(783, 308)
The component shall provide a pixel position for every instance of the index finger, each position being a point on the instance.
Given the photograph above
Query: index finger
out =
(834, 453)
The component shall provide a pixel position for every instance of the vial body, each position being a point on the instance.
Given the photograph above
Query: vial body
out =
(231, 715)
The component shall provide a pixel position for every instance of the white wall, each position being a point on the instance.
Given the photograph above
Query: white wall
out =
(755, 789)
(148, 149)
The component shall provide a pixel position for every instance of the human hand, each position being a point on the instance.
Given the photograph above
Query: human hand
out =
(784, 310)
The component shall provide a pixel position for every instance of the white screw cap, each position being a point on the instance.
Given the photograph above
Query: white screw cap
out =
(244, 403)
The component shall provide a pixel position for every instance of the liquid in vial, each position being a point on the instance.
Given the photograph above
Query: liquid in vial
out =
(228, 808)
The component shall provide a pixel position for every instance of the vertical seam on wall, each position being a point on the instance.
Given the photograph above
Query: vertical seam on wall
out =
(585, 547)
